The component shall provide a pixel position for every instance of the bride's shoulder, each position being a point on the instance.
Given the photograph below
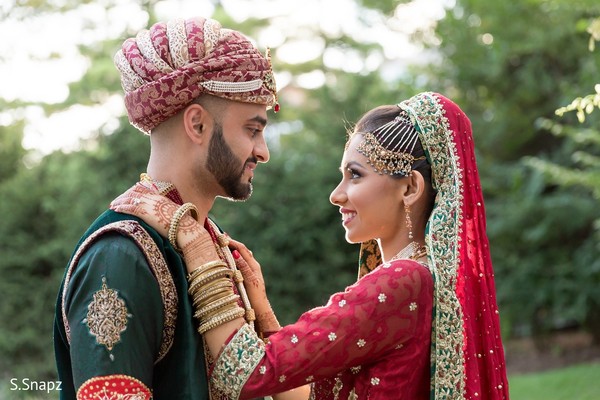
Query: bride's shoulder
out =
(404, 267)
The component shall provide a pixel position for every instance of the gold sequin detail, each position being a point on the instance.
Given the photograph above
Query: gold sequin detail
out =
(107, 316)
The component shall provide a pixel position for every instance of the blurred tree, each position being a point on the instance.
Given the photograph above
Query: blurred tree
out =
(11, 150)
(45, 210)
(47, 205)
(511, 64)
(582, 170)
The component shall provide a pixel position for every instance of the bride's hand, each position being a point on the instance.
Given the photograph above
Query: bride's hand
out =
(147, 204)
(158, 212)
(255, 287)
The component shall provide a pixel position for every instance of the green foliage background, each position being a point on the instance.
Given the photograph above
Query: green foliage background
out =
(510, 65)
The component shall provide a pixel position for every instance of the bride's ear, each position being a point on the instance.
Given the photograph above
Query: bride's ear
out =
(414, 189)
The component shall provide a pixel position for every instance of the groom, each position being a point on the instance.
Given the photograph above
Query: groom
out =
(124, 323)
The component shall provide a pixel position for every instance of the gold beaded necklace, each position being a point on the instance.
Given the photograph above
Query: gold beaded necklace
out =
(413, 252)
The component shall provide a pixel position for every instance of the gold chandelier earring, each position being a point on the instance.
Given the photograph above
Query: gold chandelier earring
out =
(408, 220)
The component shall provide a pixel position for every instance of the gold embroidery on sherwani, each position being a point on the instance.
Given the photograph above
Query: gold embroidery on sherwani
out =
(158, 266)
(107, 316)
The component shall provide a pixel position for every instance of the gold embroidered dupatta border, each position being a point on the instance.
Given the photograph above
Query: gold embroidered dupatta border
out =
(158, 266)
(442, 238)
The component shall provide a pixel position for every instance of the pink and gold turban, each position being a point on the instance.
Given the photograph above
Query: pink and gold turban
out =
(165, 68)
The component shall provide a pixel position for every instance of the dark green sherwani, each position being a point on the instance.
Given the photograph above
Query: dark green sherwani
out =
(123, 312)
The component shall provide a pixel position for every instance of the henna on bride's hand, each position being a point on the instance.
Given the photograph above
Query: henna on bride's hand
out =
(138, 204)
(188, 225)
(249, 275)
(128, 205)
(267, 321)
(164, 211)
(198, 248)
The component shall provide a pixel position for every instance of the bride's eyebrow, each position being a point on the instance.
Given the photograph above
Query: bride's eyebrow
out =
(351, 164)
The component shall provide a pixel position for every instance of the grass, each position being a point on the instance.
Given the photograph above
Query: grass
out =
(580, 382)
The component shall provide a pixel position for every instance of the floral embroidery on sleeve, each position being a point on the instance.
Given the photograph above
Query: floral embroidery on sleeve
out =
(107, 316)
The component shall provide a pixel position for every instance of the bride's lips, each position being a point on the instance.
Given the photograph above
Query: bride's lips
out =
(347, 215)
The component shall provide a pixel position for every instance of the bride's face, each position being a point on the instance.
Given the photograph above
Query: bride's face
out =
(370, 203)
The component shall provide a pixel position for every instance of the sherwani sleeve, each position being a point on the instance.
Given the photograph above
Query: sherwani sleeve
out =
(114, 310)
(357, 326)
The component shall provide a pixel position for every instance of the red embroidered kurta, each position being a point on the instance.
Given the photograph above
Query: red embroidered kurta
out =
(370, 342)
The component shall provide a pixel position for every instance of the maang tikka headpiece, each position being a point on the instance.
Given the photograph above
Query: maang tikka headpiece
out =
(389, 148)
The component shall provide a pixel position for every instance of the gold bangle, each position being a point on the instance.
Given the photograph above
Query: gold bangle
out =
(221, 319)
(212, 293)
(205, 309)
(211, 276)
(205, 272)
(203, 300)
(174, 225)
(218, 312)
(203, 312)
(205, 267)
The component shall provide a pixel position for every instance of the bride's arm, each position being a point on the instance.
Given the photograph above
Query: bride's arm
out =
(207, 274)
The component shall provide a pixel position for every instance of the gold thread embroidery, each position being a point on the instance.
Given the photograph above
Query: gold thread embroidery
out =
(113, 387)
(107, 316)
(337, 388)
(166, 285)
(237, 362)
(353, 395)
(442, 237)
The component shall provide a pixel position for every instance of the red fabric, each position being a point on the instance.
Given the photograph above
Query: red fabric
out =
(373, 338)
(113, 387)
(484, 355)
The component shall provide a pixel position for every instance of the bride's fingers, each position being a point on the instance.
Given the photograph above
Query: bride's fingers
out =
(126, 200)
(241, 248)
(241, 264)
(121, 199)
(245, 269)
(142, 188)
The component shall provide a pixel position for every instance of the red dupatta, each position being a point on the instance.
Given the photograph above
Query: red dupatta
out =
(467, 357)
